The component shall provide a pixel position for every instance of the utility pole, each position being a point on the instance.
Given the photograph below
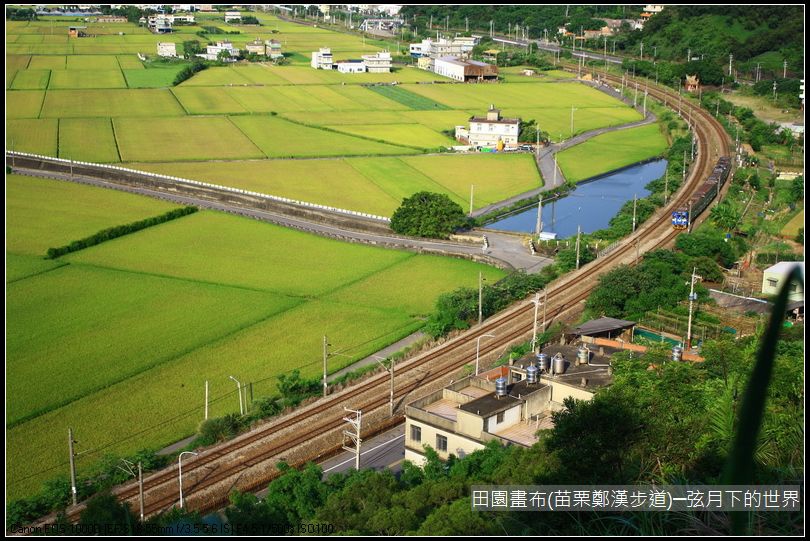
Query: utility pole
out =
(472, 187)
(140, 488)
(689, 55)
(239, 391)
(555, 165)
(692, 298)
(784, 69)
(635, 200)
(572, 122)
(606, 52)
(390, 371)
(354, 436)
(490, 28)
(774, 91)
(666, 185)
(466, 24)
(635, 96)
(539, 227)
(536, 302)
(478, 349)
(545, 302)
(206, 400)
(72, 465)
(730, 58)
(325, 356)
(480, 297)
(641, 54)
(578, 233)
(645, 103)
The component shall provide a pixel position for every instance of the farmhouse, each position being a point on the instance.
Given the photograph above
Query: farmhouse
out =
(212, 51)
(322, 59)
(774, 277)
(465, 70)
(378, 63)
(692, 83)
(508, 404)
(491, 131)
(351, 66)
(167, 49)
(231, 16)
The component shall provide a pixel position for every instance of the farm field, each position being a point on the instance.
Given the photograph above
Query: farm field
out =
(75, 132)
(403, 134)
(791, 228)
(154, 77)
(611, 151)
(21, 266)
(42, 213)
(192, 138)
(106, 103)
(37, 135)
(374, 185)
(185, 275)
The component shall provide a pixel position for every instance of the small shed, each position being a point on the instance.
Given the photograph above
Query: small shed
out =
(606, 327)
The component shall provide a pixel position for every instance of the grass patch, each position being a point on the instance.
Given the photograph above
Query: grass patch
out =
(74, 133)
(92, 62)
(67, 320)
(190, 138)
(207, 100)
(408, 98)
(114, 102)
(400, 134)
(280, 138)
(73, 79)
(41, 213)
(20, 266)
(152, 77)
(791, 228)
(611, 151)
(40, 62)
(31, 80)
(24, 103)
(32, 135)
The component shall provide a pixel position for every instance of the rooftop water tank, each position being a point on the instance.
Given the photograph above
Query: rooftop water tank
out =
(531, 374)
(500, 387)
(559, 364)
(543, 362)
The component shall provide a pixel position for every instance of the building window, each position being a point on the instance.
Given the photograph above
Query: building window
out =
(517, 377)
(499, 418)
(441, 442)
(416, 433)
(772, 282)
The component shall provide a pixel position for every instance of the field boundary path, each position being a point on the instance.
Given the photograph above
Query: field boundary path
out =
(507, 253)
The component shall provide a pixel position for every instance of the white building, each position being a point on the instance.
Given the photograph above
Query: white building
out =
(491, 131)
(168, 49)
(378, 63)
(212, 51)
(322, 59)
(508, 404)
(775, 276)
(652, 8)
(231, 16)
(352, 66)
(464, 70)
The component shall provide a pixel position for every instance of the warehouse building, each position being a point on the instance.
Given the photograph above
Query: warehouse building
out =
(465, 70)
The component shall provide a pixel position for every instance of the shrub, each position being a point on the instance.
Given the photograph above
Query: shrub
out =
(427, 214)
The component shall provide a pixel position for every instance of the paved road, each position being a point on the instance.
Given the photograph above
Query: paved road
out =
(506, 250)
(384, 451)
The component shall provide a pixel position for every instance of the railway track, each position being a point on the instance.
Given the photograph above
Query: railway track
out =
(247, 462)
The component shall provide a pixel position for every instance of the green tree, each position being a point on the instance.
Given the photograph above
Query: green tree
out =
(104, 510)
(427, 214)
(725, 215)
(797, 188)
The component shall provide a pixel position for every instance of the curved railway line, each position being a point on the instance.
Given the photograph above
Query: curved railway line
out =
(246, 463)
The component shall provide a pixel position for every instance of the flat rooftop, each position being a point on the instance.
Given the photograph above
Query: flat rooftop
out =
(490, 404)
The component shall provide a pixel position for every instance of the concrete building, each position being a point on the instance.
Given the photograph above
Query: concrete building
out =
(77, 31)
(274, 49)
(212, 51)
(322, 59)
(459, 46)
(111, 19)
(491, 131)
(257, 46)
(167, 49)
(508, 404)
(465, 70)
(775, 276)
(232, 16)
(351, 66)
(378, 62)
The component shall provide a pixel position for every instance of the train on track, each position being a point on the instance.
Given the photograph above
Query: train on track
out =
(705, 194)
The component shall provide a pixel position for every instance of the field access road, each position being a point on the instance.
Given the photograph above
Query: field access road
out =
(545, 158)
(506, 251)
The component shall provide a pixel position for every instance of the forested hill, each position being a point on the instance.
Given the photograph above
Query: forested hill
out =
(747, 32)
(766, 34)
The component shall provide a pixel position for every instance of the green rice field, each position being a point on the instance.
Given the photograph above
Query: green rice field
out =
(199, 298)
(611, 151)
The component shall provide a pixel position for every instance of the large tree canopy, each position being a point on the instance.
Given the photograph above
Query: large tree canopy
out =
(427, 214)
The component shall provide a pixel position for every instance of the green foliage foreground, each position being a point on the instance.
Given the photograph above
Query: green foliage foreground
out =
(427, 214)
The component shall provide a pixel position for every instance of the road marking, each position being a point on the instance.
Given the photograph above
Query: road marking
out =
(364, 452)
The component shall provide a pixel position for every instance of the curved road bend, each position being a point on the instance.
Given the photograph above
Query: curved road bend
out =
(507, 250)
